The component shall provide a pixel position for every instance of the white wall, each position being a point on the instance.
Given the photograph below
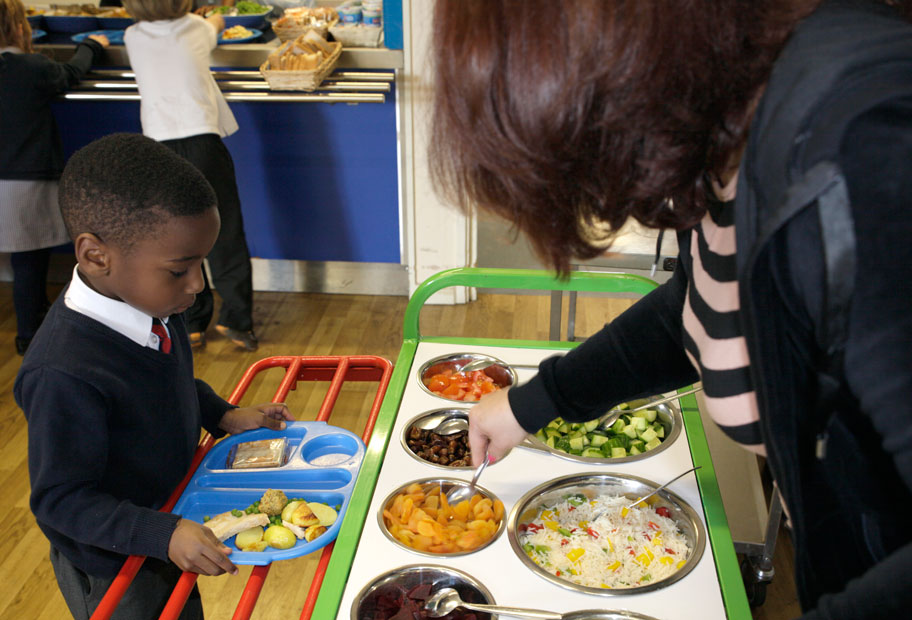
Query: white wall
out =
(436, 236)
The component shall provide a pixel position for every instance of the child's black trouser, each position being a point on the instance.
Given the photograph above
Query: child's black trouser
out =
(145, 598)
(229, 260)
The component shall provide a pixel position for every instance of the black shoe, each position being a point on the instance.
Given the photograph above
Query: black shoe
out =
(245, 340)
(22, 345)
(197, 340)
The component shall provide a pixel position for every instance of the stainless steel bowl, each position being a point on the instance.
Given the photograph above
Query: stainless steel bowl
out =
(407, 577)
(433, 483)
(593, 484)
(428, 420)
(669, 416)
(501, 372)
(605, 614)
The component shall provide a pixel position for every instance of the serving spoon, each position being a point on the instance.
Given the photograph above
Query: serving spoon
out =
(460, 493)
(611, 417)
(598, 515)
(444, 424)
(445, 600)
(451, 426)
(648, 495)
(481, 364)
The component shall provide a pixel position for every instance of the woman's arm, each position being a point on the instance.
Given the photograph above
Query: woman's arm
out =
(638, 354)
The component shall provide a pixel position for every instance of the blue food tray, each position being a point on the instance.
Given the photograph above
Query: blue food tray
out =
(254, 34)
(115, 37)
(214, 489)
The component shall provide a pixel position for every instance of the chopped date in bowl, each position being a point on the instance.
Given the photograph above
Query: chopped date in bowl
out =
(450, 450)
(397, 603)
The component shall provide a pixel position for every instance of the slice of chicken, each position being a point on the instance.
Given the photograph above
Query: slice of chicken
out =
(226, 525)
(297, 531)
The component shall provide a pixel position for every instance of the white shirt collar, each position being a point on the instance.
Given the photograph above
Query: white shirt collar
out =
(12, 49)
(119, 316)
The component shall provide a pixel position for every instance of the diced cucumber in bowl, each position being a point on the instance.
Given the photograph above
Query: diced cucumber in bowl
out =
(631, 434)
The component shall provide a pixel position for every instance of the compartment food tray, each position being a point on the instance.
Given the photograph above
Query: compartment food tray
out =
(323, 462)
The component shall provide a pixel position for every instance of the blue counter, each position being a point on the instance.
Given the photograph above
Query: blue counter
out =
(317, 181)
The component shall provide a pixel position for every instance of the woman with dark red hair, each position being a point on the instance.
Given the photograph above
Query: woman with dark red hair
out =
(775, 137)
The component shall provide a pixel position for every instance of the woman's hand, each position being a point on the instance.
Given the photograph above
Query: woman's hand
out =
(193, 547)
(492, 425)
(270, 415)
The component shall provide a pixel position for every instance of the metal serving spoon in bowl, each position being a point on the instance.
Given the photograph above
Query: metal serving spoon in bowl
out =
(611, 417)
(445, 600)
(451, 426)
(648, 495)
(479, 364)
(460, 493)
(599, 514)
(447, 423)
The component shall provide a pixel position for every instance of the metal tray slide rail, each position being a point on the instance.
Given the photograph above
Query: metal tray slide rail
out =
(336, 370)
(340, 564)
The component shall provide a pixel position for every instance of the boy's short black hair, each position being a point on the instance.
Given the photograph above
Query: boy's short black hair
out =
(122, 186)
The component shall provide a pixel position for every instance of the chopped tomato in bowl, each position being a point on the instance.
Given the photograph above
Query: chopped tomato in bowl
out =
(444, 377)
(457, 385)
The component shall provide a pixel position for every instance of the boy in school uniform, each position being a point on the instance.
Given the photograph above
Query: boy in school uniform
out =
(114, 411)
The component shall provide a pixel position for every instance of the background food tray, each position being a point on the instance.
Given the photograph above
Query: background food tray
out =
(214, 489)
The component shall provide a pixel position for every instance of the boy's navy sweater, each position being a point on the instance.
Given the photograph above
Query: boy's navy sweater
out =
(112, 428)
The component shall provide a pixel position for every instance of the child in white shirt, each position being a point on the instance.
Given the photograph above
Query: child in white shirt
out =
(182, 107)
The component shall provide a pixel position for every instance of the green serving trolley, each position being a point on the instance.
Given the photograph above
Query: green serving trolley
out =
(714, 589)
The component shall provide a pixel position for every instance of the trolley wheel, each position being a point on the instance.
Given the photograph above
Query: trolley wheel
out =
(755, 590)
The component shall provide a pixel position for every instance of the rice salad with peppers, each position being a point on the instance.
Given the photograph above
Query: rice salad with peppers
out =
(621, 549)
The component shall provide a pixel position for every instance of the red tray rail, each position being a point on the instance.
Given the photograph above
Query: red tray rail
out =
(333, 368)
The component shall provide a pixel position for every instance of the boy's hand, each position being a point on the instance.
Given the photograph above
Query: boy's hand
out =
(195, 548)
(270, 415)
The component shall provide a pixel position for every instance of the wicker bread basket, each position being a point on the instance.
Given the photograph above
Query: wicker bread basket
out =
(284, 79)
(287, 32)
(357, 35)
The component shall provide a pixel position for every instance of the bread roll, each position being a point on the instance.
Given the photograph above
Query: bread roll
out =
(319, 42)
(307, 48)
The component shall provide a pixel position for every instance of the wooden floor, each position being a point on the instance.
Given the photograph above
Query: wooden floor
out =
(296, 324)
